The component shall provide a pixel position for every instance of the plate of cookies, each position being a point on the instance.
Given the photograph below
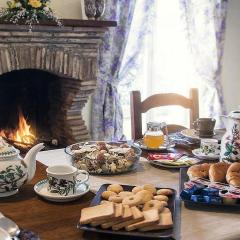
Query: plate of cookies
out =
(137, 211)
(210, 184)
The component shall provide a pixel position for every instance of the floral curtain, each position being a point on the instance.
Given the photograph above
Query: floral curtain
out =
(205, 25)
(106, 109)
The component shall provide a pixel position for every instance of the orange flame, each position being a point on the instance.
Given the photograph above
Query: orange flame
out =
(22, 134)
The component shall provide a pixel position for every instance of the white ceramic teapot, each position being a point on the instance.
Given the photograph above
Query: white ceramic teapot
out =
(15, 171)
(230, 144)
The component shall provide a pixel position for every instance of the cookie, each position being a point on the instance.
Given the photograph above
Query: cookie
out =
(96, 213)
(137, 217)
(107, 194)
(115, 188)
(132, 200)
(104, 202)
(137, 189)
(150, 188)
(125, 194)
(145, 196)
(153, 204)
(164, 191)
(161, 198)
(151, 217)
(115, 199)
(165, 222)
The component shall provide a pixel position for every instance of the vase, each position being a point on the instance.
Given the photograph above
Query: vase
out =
(90, 8)
(100, 8)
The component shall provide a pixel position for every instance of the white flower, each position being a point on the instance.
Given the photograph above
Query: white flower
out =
(46, 9)
(18, 4)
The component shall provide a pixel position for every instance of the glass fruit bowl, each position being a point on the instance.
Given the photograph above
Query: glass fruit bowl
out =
(104, 158)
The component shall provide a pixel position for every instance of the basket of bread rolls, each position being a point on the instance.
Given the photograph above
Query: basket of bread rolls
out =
(217, 183)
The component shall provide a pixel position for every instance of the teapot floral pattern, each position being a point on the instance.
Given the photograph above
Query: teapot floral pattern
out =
(232, 145)
(11, 177)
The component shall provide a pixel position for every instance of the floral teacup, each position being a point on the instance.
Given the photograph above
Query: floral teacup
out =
(209, 146)
(63, 179)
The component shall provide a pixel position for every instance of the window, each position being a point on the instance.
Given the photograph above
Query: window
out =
(163, 63)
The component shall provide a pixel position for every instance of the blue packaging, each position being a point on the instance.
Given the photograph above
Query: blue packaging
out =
(213, 199)
(197, 198)
(185, 194)
(210, 192)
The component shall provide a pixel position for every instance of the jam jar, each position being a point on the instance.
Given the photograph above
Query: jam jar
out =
(154, 136)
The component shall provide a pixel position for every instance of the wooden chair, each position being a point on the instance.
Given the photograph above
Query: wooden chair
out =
(164, 99)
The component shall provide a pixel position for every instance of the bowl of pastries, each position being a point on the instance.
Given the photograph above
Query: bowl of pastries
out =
(131, 210)
(217, 183)
(104, 158)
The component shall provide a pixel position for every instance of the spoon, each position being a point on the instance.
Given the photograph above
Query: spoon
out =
(9, 226)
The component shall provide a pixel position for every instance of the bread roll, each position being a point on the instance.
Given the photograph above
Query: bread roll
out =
(218, 171)
(233, 174)
(199, 171)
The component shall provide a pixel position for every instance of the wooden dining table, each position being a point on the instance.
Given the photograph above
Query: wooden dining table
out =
(54, 221)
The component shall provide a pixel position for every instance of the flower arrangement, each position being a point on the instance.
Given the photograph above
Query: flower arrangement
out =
(30, 11)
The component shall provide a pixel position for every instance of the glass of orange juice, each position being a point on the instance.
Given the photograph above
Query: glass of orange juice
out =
(154, 136)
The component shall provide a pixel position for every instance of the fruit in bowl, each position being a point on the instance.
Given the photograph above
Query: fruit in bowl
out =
(104, 157)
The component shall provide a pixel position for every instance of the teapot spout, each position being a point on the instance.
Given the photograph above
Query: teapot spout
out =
(30, 160)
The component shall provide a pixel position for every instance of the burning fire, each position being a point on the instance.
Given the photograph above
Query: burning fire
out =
(22, 134)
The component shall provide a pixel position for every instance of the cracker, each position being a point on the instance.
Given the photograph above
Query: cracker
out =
(118, 208)
(98, 212)
(165, 222)
(150, 217)
(137, 217)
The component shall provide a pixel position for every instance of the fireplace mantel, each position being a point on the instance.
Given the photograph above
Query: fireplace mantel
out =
(70, 51)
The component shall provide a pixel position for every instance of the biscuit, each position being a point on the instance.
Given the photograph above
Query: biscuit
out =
(115, 188)
(150, 188)
(115, 199)
(150, 217)
(126, 216)
(137, 189)
(117, 216)
(137, 217)
(145, 196)
(154, 204)
(164, 191)
(96, 213)
(132, 200)
(104, 202)
(161, 198)
(125, 194)
(165, 222)
(106, 194)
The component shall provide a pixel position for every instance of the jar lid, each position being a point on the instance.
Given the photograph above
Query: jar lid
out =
(154, 126)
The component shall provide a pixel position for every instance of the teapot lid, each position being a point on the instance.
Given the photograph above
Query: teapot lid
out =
(7, 150)
(235, 114)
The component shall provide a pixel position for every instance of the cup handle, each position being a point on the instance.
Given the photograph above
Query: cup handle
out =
(86, 177)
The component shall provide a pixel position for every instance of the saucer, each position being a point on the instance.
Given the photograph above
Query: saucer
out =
(41, 189)
(192, 134)
(211, 156)
(164, 147)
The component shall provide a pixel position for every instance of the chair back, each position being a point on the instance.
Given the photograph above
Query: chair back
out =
(157, 100)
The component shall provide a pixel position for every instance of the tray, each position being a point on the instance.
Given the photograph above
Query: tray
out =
(183, 177)
(158, 234)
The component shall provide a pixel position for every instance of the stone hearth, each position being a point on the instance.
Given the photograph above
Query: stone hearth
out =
(70, 52)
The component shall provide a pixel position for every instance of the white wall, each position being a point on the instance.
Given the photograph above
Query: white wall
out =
(231, 57)
(64, 8)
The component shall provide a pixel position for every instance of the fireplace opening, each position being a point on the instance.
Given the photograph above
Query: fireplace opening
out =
(40, 101)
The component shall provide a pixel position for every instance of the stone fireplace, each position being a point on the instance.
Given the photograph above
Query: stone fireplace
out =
(47, 75)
